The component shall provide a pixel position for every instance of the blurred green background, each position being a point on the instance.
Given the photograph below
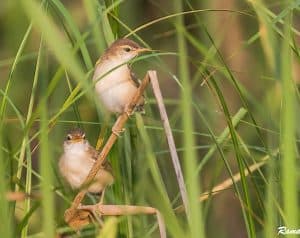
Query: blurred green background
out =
(229, 75)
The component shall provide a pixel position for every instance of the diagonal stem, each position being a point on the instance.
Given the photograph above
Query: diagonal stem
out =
(119, 124)
(170, 138)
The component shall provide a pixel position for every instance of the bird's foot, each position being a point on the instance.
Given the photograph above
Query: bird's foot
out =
(128, 112)
(140, 109)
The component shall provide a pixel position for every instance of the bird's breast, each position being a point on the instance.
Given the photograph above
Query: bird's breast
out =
(75, 167)
(116, 89)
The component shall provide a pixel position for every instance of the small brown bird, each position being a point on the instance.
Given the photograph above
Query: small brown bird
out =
(116, 84)
(77, 160)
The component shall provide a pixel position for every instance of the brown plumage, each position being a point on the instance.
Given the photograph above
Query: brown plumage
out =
(115, 82)
(77, 160)
(116, 44)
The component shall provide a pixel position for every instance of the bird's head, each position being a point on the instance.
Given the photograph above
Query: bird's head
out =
(75, 136)
(124, 50)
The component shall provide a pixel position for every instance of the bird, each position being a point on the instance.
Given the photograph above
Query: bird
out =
(115, 83)
(77, 160)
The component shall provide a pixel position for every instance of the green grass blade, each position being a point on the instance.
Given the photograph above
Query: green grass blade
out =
(109, 229)
(53, 38)
(223, 136)
(91, 7)
(13, 67)
(270, 205)
(267, 37)
(45, 159)
(6, 223)
(245, 197)
(196, 223)
(288, 145)
(25, 147)
(75, 32)
(162, 197)
(107, 30)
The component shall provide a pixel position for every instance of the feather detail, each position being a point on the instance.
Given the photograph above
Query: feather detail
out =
(76, 162)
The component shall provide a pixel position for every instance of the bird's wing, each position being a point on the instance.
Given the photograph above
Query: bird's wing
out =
(106, 164)
(94, 153)
(140, 106)
(134, 78)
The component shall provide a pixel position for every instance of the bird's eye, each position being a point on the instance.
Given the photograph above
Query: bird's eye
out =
(69, 137)
(127, 49)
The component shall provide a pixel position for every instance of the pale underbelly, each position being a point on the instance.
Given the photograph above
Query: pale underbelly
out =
(75, 172)
(115, 98)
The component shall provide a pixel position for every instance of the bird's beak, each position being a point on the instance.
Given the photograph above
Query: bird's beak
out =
(76, 140)
(142, 50)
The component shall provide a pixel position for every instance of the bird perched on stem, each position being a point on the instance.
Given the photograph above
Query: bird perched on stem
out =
(115, 82)
(78, 159)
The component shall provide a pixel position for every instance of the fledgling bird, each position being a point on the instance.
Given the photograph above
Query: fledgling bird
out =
(77, 160)
(117, 88)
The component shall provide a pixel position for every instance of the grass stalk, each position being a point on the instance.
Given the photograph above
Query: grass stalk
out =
(75, 33)
(244, 197)
(90, 7)
(222, 138)
(54, 39)
(45, 159)
(13, 67)
(5, 224)
(170, 139)
(189, 155)
(172, 223)
(288, 144)
(25, 146)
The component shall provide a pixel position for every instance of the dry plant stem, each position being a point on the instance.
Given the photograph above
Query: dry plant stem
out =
(170, 138)
(119, 210)
(226, 183)
(119, 124)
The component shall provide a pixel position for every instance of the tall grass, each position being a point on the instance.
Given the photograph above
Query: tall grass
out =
(6, 225)
(194, 213)
(45, 159)
(224, 117)
(288, 142)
